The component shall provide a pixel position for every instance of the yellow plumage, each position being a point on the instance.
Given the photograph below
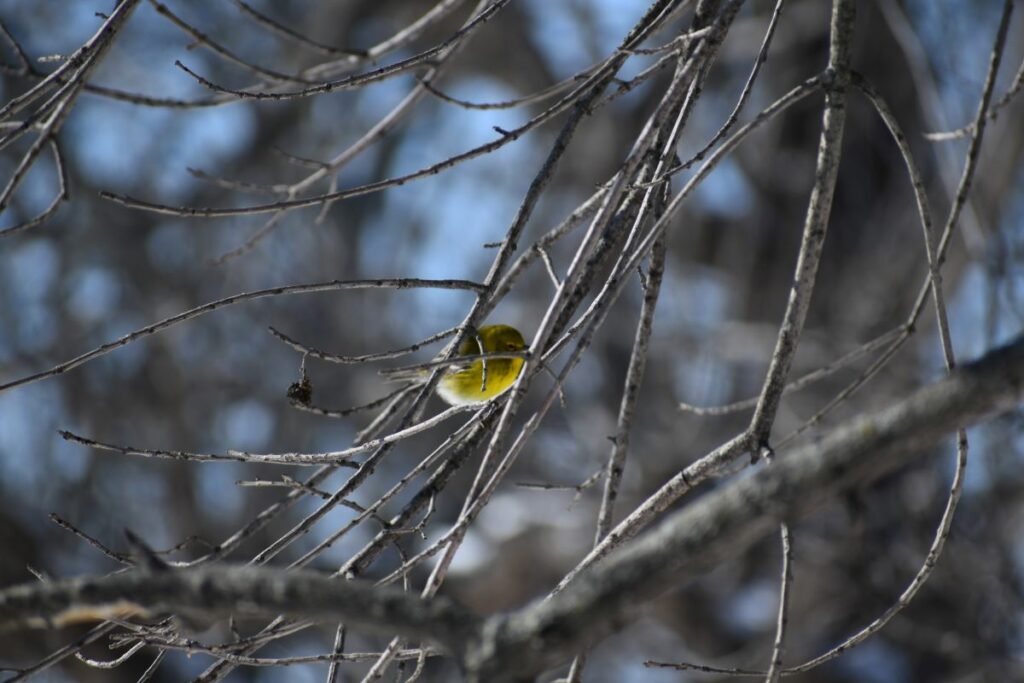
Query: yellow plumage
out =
(464, 384)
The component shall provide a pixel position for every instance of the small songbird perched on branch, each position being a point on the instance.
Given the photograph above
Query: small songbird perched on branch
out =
(467, 383)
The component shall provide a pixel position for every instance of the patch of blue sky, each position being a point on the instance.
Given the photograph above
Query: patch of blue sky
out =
(977, 480)
(30, 269)
(468, 213)
(450, 129)
(457, 211)
(348, 116)
(228, 361)
(121, 363)
(752, 609)
(968, 320)
(475, 554)
(614, 18)
(378, 27)
(215, 487)
(875, 661)
(27, 420)
(36, 193)
(93, 293)
(70, 460)
(647, 638)
(244, 425)
(68, 24)
(36, 327)
(119, 135)
(568, 454)
(332, 435)
(701, 301)
(959, 72)
(725, 192)
(114, 140)
(141, 60)
(191, 345)
(704, 380)
(307, 673)
(207, 136)
(184, 666)
(557, 29)
(139, 492)
(378, 99)
(170, 246)
(334, 520)
(697, 310)
(358, 170)
(967, 307)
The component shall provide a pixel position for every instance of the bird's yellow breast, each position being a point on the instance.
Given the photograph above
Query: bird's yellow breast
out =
(466, 385)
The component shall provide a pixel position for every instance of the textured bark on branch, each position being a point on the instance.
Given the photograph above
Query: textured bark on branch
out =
(516, 645)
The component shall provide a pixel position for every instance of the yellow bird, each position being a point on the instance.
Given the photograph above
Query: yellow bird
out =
(464, 384)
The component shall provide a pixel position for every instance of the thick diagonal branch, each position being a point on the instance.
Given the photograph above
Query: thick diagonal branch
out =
(724, 523)
(513, 646)
(233, 589)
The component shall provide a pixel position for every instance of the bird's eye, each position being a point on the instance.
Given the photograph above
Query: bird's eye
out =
(511, 346)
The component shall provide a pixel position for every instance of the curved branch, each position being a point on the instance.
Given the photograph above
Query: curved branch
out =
(227, 589)
(724, 523)
(334, 285)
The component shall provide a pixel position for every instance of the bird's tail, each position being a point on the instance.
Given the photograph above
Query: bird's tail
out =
(411, 375)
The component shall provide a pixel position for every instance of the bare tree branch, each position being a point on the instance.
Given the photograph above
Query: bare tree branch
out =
(226, 589)
(816, 224)
(384, 283)
(725, 522)
(509, 647)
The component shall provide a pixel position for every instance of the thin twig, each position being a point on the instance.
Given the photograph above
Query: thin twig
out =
(224, 53)
(342, 456)
(291, 34)
(762, 57)
(230, 456)
(121, 558)
(112, 664)
(945, 523)
(365, 358)
(778, 646)
(993, 111)
(815, 224)
(813, 376)
(359, 80)
(335, 285)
